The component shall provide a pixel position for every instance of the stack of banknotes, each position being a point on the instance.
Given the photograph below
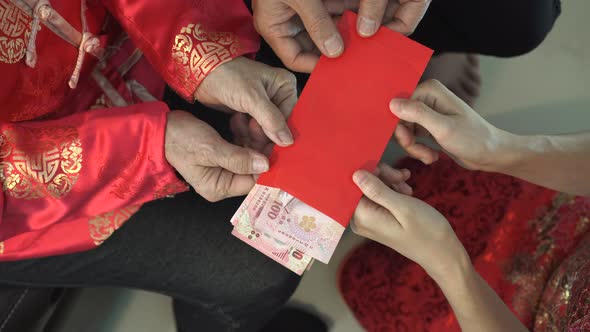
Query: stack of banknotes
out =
(285, 229)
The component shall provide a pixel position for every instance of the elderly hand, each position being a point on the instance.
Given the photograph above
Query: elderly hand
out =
(267, 94)
(300, 30)
(402, 16)
(214, 167)
(295, 29)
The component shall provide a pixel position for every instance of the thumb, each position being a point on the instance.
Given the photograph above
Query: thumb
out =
(370, 16)
(415, 111)
(239, 160)
(319, 25)
(437, 96)
(378, 192)
(374, 189)
(270, 118)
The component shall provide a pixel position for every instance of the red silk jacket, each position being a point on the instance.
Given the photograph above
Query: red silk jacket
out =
(81, 127)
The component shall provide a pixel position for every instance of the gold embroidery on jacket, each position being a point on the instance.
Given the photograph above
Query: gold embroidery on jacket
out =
(197, 52)
(524, 270)
(125, 184)
(542, 287)
(169, 189)
(101, 227)
(15, 28)
(39, 162)
(555, 310)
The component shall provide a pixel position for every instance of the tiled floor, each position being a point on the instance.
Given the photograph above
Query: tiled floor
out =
(545, 91)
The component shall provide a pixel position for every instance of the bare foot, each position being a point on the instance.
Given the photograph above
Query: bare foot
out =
(457, 71)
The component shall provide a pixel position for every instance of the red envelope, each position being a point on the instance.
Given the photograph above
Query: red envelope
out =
(342, 121)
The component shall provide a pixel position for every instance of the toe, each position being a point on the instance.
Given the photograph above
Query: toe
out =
(460, 91)
(473, 75)
(470, 88)
(473, 60)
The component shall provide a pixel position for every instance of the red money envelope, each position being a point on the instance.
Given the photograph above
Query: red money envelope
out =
(342, 121)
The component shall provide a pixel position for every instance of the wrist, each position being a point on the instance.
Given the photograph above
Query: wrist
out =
(168, 138)
(502, 153)
(206, 91)
(452, 273)
(170, 135)
(516, 151)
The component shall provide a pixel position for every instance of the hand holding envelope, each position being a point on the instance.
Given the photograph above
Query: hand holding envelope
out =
(342, 123)
(300, 30)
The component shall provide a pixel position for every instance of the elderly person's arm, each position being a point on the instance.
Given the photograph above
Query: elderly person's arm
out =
(201, 49)
(81, 175)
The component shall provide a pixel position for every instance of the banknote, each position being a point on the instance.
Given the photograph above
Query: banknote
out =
(254, 193)
(240, 210)
(245, 229)
(289, 220)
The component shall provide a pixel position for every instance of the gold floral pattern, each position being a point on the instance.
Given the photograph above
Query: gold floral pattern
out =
(101, 227)
(39, 162)
(15, 28)
(524, 269)
(543, 282)
(582, 225)
(554, 309)
(197, 52)
(308, 223)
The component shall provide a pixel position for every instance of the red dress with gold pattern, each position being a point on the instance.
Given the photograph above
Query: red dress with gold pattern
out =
(530, 244)
(81, 127)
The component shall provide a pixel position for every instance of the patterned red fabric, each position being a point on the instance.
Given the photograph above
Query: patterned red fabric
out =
(79, 166)
(517, 235)
(195, 39)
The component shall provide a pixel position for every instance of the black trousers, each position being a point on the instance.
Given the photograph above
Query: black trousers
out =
(183, 248)
(495, 28)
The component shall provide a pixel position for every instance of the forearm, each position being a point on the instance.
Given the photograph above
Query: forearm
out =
(560, 162)
(476, 305)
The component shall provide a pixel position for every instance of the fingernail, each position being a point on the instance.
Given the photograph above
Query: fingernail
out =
(366, 27)
(359, 177)
(333, 45)
(395, 106)
(260, 165)
(285, 137)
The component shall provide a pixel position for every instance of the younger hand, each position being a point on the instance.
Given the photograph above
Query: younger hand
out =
(435, 111)
(267, 94)
(407, 225)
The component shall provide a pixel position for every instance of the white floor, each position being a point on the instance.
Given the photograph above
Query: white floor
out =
(545, 91)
